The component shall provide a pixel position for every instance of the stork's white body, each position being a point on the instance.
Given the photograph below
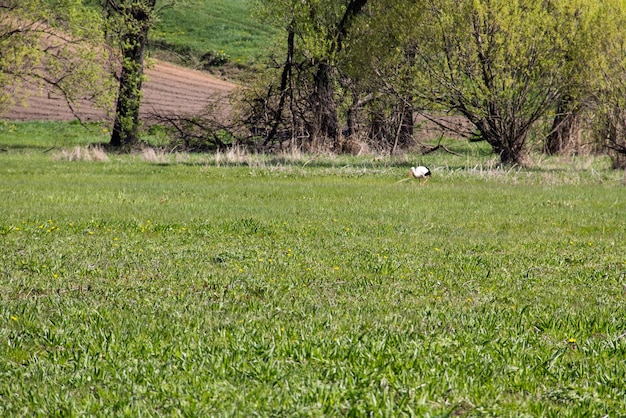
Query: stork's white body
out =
(420, 172)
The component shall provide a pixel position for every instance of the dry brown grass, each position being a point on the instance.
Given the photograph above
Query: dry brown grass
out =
(152, 155)
(89, 153)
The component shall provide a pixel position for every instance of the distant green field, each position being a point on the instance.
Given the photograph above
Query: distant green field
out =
(226, 27)
(240, 285)
(42, 135)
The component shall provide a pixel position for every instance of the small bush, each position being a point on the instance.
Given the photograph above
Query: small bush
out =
(214, 59)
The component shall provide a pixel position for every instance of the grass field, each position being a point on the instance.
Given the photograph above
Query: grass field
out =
(227, 29)
(236, 285)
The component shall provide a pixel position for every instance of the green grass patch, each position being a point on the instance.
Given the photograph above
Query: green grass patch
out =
(225, 285)
(226, 29)
(47, 135)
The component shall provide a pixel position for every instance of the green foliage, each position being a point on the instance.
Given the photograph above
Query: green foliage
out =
(609, 108)
(215, 58)
(56, 44)
(302, 101)
(315, 23)
(325, 288)
(501, 64)
(506, 66)
(18, 49)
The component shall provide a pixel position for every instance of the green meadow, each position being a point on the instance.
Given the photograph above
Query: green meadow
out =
(229, 31)
(293, 285)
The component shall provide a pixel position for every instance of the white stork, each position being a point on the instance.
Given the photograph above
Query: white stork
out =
(420, 172)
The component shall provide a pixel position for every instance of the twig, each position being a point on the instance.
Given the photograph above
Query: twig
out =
(311, 160)
(435, 148)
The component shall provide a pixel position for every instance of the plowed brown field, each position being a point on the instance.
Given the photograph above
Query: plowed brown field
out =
(168, 89)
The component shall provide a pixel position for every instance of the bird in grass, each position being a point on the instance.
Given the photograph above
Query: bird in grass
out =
(420, 172)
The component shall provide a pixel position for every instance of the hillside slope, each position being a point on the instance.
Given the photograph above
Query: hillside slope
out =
(169, 89)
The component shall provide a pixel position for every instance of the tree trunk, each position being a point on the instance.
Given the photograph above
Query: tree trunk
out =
(324, 106)
(563, 128)
(285, 79)
(508, 146)
(126, 126)
(352, 116)
(407, 127)
(509, 156)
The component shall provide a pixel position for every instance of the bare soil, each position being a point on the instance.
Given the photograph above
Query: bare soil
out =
(168, 89)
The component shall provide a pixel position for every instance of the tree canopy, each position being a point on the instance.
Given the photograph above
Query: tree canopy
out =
(499, 63)
(59, 44)
(508, 67)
